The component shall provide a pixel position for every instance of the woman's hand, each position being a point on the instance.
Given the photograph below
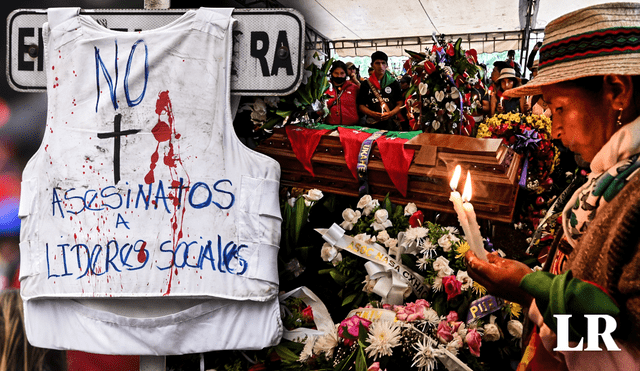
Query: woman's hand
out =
(500, 276)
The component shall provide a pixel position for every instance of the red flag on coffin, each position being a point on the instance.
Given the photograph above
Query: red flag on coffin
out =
(303, 143)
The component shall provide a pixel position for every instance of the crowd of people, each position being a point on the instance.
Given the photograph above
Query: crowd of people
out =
(587, 77)
(378, 100)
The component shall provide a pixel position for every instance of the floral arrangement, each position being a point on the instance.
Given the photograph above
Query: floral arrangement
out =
(528, 135)
(366, 331)
(304, 106)
(445, 89)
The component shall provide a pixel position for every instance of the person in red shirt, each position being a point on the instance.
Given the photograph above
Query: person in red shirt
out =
(342, 104)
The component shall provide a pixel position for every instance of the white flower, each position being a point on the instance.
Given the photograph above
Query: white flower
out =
(259, 111)
(313, 195)
(455, 344)
(327, 343)
(307, 351)
(314, 57)
(437, 284)
(292, 201)
(515, 328)
(467, 281)
(462, 330)
(382, 221)
(441, 263)
(455, 93)
(423, 263)
(423, 88)
(450, 229)
(491, 332)
(414, 235)
(451, 106)
(363, 237)
(439, 95)
(383, 337)
(328, 252)
(364, 201)
(431, 316)
(370, 207)
(428, 249)
(337, 259)
(350, 218)
(447, 241)
(410, 209)
(425, 357)
(435, 124)
(383, 236)
(391, 243)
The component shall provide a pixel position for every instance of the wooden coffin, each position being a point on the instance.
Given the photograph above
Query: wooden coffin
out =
(494, 172)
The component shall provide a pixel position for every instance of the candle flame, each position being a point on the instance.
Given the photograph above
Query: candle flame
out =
(466, 194)
(455, 178)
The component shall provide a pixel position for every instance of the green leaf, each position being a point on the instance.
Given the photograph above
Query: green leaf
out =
(362, 333)
(348, 299)
(286, 354)
(326, 271)
(301, 213)
(340, 279)
(361, 360)
(387, 204)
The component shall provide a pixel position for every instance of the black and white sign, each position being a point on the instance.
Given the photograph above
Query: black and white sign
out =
(268, 46)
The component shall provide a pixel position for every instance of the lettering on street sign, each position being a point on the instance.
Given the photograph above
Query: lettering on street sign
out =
(268, 46)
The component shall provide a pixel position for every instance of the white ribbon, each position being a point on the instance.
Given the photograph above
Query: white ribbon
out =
(376, 254)
(390, 285)
(321, 316)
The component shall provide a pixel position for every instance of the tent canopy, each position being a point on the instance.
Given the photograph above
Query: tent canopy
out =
(356, 27)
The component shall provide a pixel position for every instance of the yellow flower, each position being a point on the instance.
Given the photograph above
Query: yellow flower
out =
(462, 249)
(478, 289)
(515, 310)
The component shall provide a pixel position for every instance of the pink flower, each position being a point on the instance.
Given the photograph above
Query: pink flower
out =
(353, 328)
(445, 332)
(451, 286)
(375, 366)
(452, 316)
(412, 311)
(474, 341)
(387, 306)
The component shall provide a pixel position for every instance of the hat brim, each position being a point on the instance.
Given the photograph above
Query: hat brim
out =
(629, 64)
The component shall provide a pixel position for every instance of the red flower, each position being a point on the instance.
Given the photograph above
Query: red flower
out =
(258, 367)
(450, 49)
(445, 332)
(416, 219)
(307, 314)
(429, 67)
(451, 286)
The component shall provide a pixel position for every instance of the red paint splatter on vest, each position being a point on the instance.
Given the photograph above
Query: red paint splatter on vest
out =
(164, 132)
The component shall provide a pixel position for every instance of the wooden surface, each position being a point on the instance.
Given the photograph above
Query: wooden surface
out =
(494, 170)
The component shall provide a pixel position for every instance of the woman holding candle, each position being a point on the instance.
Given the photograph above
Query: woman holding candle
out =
(589, 75)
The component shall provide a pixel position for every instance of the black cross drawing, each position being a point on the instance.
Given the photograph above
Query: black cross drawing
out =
(116, 134)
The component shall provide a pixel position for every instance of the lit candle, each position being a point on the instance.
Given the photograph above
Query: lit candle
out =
(458, 206)
(474, 229)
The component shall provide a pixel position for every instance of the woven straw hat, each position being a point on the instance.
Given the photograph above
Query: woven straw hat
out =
(597, 40)
(508, 73)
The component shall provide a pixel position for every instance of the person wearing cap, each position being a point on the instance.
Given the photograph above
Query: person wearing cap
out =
(354, 73)
(343, 93)
(380, 97)
(500, 103)
(493, 87)
(589, 75)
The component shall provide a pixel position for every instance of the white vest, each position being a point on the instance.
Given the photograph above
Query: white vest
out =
(147, 227)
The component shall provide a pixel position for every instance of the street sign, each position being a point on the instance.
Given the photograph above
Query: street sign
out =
(268, 46)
